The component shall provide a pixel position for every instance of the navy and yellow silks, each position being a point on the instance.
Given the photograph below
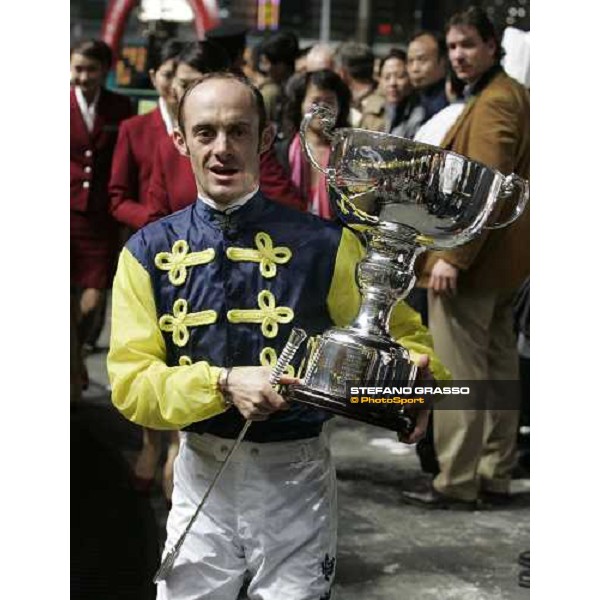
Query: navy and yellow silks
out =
(178, 320)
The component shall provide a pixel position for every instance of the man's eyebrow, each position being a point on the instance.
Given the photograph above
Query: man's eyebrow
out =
(233, 123)
(239, 121)
(198, 126)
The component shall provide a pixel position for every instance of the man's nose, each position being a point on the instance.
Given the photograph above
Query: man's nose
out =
(221, 145)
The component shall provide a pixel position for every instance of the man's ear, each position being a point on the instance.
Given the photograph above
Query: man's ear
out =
(492, 46)
(180, 142)
(152, 74)
(267, 138)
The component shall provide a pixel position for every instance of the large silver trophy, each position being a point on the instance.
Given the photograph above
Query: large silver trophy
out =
(411, 197)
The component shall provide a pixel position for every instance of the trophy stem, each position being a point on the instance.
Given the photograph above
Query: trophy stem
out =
(385, 275)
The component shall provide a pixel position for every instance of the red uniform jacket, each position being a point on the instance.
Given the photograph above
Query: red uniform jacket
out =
(93, 232)
(173, 187)
(132, 168)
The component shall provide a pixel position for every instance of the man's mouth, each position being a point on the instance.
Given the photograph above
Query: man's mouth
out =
(224, 171)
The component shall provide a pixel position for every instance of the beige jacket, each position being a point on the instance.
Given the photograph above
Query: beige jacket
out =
(494, 130)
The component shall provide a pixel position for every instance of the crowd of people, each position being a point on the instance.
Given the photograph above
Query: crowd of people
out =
(195, 200)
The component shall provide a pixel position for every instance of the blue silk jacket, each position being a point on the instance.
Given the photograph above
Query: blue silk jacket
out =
(200, 290)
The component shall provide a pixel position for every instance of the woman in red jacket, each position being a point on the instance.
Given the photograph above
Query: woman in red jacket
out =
(128, 188)
(95, 117)
(137, 142)
(172, 184)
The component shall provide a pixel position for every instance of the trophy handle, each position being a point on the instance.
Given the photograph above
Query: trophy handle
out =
(327, 117)
(511, 185)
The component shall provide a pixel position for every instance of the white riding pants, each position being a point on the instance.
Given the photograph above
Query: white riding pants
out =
(271, 518)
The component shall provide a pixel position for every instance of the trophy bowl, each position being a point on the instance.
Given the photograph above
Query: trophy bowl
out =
(405, 197)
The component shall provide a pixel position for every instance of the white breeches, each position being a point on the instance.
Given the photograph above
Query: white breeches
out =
(272, 518)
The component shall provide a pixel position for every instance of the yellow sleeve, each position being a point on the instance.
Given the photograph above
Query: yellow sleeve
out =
(144, 388)
(406, 328)
(405, 324)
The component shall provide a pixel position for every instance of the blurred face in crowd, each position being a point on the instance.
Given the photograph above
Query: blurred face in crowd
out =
(315, 95)
(277, 71)
(469, 55)
(425, 66)
(88, 74)
(222, 139)
(394, 81)
(319, 57)
(183, 78)
(162, 78)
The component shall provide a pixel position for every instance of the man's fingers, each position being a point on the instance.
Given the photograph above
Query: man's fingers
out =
(289, 380)
(422, 361)
(420, 428)
(272, 400)
(415, 436)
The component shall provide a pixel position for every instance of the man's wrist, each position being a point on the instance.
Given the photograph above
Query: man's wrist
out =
(223, 385)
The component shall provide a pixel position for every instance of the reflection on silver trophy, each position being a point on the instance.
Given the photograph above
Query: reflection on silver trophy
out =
(411, 197)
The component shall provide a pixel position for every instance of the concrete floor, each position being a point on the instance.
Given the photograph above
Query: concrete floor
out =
(387, 550)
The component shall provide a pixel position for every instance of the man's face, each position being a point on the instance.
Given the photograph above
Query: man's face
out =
(222, 139)
(469, 55)
(424, 65)
(87, 73)
(394, 81)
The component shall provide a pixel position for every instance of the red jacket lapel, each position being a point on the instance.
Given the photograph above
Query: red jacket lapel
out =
(78, 126)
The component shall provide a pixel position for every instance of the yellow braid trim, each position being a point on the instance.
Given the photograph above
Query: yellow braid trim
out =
(179, 322)
(265, 253)
(268, 314)
(179, 259)
(268, 358)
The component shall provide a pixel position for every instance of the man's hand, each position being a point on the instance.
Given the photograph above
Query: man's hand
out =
(90, 299)
(443, 277)
(252, 393)
(424, 376)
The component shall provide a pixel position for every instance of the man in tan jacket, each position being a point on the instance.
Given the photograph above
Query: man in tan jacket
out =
(471, 289)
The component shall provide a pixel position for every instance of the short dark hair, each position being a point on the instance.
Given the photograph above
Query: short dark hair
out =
(324, 79)
(282, 47)
(437, 37)
(227, 75)
(168, 51)
(357, 59)
(396, 53)
(476, 17)
(205, 56)
(94, 50)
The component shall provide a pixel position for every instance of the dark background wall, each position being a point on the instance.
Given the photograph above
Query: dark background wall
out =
(389, 22)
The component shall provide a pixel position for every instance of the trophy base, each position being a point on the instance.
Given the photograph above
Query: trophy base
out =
(388, 417)
(347, 356)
